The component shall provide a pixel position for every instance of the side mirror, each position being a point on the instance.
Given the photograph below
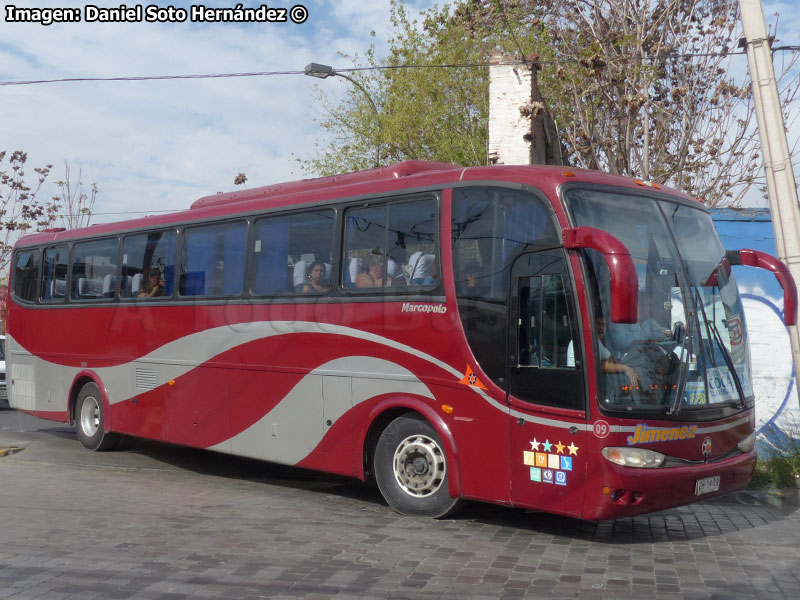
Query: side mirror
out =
(624, 282)
(762, 260)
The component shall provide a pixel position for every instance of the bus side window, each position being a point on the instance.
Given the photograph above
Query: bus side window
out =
(212, 260)
(54, 276)
(147, 253)
(285, 247)
(400, 236)
(94, 270)
(26, 274)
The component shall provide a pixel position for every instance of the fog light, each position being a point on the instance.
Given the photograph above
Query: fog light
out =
(747, 444)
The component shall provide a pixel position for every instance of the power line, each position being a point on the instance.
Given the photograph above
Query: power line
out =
(152, 77)
(382, 68)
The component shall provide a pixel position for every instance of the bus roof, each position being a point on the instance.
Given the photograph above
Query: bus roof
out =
(415, 174)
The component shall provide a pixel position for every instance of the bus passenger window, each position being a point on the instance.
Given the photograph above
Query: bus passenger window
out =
(148, 265)
(94, 270)
(54, 276)
(287, 248)
(26, 274)
(212, 260)
(391, 245)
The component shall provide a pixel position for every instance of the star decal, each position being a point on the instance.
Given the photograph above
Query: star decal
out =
(535, 444)
(560, 447)
(573, 449)
(547, 445)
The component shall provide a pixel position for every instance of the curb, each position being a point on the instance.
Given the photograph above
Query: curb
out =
(9, 450)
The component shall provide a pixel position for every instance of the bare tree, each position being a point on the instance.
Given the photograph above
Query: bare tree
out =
(654, 94)
(74, 204)
(20, 209)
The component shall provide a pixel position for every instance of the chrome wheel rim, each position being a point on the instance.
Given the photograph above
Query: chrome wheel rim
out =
(419, 466)
(90, 416)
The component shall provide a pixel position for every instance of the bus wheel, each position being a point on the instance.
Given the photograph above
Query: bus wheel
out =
(89, 420)
(411, 469)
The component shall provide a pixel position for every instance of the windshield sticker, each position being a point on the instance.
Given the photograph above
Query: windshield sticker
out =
(735, 330)
(695, 393)
(721, 386)
(648, 435)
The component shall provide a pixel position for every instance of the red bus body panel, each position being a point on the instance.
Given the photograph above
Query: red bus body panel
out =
(224, 373)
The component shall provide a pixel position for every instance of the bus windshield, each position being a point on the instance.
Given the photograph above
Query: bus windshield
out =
(688, 349)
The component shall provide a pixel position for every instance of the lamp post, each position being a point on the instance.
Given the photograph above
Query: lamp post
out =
(325, 71)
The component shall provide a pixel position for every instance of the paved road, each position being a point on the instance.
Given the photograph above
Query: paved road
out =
(158, 522)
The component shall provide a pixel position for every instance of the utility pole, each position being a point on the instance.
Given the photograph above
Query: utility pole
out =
(781, 185)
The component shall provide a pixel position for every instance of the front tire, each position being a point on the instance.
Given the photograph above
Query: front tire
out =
(411, 469)
(89, 420)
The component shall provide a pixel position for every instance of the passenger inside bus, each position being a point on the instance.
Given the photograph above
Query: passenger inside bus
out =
(421, 268)
(154, 286)
(316, 279)
(374, 275)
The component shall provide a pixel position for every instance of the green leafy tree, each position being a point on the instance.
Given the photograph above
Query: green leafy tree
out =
(643, 88)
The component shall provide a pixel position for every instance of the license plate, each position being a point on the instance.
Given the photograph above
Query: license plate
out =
(706, 485)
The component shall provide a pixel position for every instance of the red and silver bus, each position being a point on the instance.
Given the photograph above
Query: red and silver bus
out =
(560, 340)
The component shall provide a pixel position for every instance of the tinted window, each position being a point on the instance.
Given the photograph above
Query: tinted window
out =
(54, 273)
(292, 253)
(392, 245)
(213, 259)
(545, 333)
(491, 227)
(148, 265)
(94, 270)
(26, 274)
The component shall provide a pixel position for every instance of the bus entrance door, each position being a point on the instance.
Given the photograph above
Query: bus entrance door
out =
(546, 388)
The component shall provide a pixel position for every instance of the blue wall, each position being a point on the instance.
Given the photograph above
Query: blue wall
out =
(775, 384)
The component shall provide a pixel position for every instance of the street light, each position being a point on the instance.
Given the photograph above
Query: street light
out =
(325, 71)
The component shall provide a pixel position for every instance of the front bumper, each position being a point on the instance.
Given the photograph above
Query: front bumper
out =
(624, 491)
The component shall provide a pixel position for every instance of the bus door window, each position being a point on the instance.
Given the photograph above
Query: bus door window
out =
(148, 265)
(26, 274)
(54, 278)
(285, 248)
(545, 328)
(94, 270)
(213, 260)
(543, 365)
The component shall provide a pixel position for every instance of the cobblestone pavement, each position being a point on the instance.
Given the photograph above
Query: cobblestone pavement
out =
(158, 522)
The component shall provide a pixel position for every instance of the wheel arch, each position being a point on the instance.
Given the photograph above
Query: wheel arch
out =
(78, 382)
(386, 411)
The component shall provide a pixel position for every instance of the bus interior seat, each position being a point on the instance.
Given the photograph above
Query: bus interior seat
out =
(136, 283)
(351, 274)
(109, 285)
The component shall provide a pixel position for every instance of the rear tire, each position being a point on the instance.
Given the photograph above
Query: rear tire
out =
(89, 420)
(411, 469)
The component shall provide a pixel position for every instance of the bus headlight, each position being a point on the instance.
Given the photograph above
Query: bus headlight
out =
(639, 458)
(747, 443)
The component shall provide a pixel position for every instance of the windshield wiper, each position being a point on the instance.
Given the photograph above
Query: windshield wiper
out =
(714, 334)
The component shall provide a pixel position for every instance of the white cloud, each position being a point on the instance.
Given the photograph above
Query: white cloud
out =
(158, 145)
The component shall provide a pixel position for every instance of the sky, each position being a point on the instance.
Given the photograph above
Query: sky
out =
(159, 145)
